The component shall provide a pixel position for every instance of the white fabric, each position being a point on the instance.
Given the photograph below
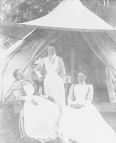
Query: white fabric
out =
(85, 125)
(81, 92)
(54, 87)
(29, 89)
(53, 64)
(53, 83)
(40, 122)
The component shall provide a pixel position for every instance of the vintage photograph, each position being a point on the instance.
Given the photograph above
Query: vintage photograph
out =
(57, 71)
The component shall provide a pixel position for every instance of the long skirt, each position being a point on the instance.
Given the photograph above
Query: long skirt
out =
(40, 122)
(54, 87)
(85, 125)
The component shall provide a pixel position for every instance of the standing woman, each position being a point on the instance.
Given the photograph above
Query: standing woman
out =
(80, 120)
(39, 117)
(53, 82)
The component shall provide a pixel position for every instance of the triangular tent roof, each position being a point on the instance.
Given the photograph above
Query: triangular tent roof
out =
(71, 14)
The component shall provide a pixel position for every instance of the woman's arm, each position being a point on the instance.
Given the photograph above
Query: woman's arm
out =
(39, 67)
(71, 95)
(90, 93)
(28, 98)
(16, 90)
(62, 71)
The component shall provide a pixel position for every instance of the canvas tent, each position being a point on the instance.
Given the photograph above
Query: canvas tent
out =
(70, 15)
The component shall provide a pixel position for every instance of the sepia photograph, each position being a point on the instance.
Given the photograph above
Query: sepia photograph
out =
(57, 71)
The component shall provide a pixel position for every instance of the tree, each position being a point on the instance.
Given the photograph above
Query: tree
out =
(19, 11)
(25, 10)
(106, 9)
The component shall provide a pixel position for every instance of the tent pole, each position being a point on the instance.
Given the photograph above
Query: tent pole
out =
(72, 64)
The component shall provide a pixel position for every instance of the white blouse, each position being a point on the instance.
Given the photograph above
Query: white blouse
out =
(80, 92)
(52, 64)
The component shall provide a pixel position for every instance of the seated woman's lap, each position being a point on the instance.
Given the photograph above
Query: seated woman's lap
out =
(41, 120)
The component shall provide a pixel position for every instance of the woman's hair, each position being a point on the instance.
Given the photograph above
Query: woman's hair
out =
(15, 73)
(81, 74)
(52, 45)
(88, 81)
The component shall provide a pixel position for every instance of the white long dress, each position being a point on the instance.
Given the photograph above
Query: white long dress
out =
(39, 122)
(53, 83)
(84, 125)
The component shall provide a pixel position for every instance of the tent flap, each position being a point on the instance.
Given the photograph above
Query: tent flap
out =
(103, 48)
(22, 58)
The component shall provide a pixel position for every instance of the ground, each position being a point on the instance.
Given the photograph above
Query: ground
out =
(9, 132)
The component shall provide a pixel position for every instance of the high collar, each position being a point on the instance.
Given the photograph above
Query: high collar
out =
(22, 80)
(53, 56)
(82, 83)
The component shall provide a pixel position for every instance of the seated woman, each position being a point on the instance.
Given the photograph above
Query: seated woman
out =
(39, 116)
(80, 121)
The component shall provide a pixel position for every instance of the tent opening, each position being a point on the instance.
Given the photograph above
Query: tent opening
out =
(88, 55)
(84, 61)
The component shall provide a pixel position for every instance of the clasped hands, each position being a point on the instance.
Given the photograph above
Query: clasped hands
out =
(77, 106)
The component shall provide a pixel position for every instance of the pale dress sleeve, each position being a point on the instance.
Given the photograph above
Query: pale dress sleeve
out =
(39, 67)
(16, 90)
(90, 93)
(71, 96)
(62, 71)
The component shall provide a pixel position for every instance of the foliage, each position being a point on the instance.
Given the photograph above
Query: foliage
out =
(19, 11)
(105, 9)
(6, 42)
(25, 10)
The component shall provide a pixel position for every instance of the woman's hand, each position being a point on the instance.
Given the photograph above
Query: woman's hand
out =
(73, 106)
(29, 99)
(77, 106)
(34, 102)
(50, 98)
(80, 101)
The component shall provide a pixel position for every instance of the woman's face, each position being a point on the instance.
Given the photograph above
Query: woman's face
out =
(81, 78)
(20, 74)
(51, 50)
